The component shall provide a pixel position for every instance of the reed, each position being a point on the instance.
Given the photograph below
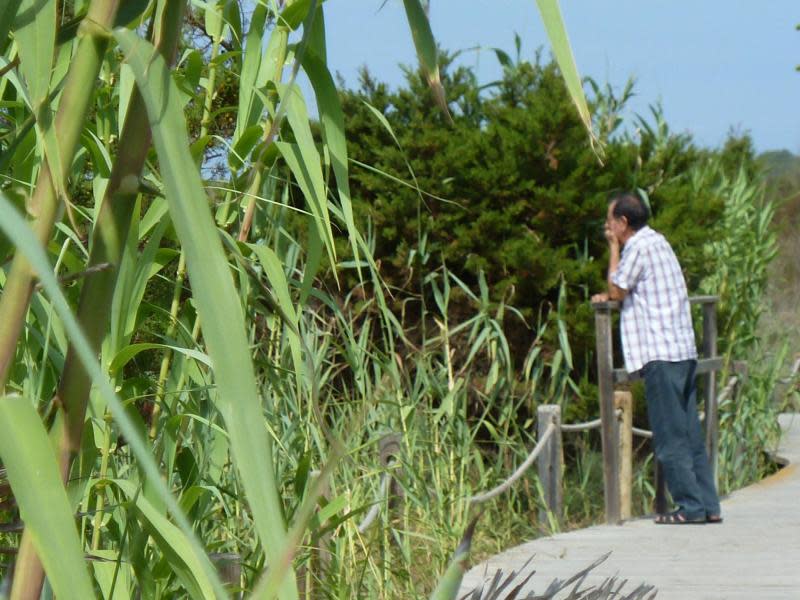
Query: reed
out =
(263, 378)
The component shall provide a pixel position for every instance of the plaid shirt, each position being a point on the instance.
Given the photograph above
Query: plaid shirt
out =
(656, 321)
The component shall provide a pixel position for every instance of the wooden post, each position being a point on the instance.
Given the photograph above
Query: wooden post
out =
(550, 462)
(390, 447)
(712, 418)
(741, 371)
(624, 401)
(229, 568)
(605, 377)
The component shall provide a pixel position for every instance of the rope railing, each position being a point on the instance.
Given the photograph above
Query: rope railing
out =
(546, 434)
(586, 426)
(577, 427)
(792, 374)
(375, 510)
(477, 499)
(728, 389)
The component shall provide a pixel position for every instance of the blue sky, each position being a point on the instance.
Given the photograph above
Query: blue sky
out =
(713, 64)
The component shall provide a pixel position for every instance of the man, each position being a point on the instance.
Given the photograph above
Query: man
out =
(658, 340)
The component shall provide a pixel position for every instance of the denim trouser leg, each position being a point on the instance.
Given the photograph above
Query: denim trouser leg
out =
(678, 437)
(697, 446)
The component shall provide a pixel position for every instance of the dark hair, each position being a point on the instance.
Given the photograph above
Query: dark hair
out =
(631, 206)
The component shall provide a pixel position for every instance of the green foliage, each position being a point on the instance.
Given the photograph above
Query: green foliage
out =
(219, 359)
(740, 257)
(512, 191)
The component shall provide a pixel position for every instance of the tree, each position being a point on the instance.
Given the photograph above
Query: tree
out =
(512, 190)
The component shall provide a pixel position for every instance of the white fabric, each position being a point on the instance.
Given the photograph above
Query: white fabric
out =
(656, 321)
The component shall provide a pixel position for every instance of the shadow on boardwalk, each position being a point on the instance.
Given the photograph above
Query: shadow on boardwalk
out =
(754, 554)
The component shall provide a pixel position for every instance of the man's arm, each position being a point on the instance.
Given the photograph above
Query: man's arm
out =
(614, 291)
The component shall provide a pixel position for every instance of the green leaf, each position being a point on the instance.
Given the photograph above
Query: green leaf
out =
(250, 103)
(332, 121)
(426, 50)
(306, 165)
(35, 32)
(554, 25)
(128, 352)
(31, 466)
(26, 242)
(233, 19)
(8, 13)
(273, 268)
(447, 589)
(503, 58)
(213, 20)
(129, 13)
(105, 572)
(134, 272)
(215, 296)
(423, 37)
(170, 540)
(293, 15)
(243, 145)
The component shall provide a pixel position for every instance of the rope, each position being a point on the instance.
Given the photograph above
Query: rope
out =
(373, 513)
(792, 375)
(582, 426)
(520, 470)
(587, 425)
(723, 395)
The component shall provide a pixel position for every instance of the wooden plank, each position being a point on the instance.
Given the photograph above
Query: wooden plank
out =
(743, 558)
(703, 299)
(615, 305)
(704, 365)
(610, 437)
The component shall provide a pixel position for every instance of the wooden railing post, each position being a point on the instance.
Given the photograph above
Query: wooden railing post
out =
(710, 379)
(550, 462)
(610, 437)
(741, 371)
(623, 401)
(229, 568)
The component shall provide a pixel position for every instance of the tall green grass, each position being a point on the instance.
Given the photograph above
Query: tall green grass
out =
(173, 372)
(205, 402)
(741, 251)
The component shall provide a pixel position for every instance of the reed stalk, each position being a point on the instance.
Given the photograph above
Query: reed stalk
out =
(70, 118)
(270, 131)
(108, 242)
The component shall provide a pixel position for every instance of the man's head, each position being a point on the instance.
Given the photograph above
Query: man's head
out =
(627, 214)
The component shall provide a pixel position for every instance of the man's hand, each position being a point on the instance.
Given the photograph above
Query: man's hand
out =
(600, 298)
(611, 237)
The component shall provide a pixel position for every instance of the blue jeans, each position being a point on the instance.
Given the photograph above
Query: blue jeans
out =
(670, 389)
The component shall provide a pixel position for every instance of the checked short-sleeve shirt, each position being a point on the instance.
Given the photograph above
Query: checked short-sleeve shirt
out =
(656, 322)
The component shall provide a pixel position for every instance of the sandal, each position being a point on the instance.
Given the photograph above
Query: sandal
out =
(714, 519)
(679, 518)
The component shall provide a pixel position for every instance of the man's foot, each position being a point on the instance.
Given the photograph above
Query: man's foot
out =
(713, 518)
(679, 518)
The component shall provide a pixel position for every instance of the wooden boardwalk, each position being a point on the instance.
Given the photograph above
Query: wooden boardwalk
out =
(754, 554)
